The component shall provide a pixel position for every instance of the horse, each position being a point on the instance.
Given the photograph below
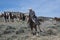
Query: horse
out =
(6, 17)
(57, 19)
(1, 15)
(33, 26)
(12, 16)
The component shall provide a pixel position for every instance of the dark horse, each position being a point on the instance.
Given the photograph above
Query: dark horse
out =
(33, 25)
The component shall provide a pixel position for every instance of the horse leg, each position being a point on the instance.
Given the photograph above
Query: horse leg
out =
(35, 28)
(31, 29)
(39, 28)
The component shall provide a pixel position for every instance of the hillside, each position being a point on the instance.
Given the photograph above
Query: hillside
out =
(20, 31)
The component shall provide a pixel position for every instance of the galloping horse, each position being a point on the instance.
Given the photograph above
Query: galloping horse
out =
(33, 25)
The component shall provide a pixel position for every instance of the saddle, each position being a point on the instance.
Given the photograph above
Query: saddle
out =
(35, 20)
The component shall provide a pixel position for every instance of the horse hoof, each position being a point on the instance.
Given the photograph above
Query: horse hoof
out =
(40, 31)
(34, 33)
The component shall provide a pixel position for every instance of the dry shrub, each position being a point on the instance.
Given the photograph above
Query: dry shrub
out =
(51, 31)
(20, 31)
(10, 27)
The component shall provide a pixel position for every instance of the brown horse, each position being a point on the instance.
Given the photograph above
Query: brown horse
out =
(1, 15)
(33, 26)
(57, 19)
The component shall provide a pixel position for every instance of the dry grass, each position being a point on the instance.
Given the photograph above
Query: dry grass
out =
(51, 32)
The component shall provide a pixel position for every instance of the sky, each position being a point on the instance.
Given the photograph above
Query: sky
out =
(47, 8)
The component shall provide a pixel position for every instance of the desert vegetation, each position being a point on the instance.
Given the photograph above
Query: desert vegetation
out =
(21, 31)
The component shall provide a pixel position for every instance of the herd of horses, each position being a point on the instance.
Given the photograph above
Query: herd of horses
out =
(11, 17)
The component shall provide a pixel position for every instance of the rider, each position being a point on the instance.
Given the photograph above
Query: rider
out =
(33, 16)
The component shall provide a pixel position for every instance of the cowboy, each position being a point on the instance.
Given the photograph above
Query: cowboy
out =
(33, 17)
